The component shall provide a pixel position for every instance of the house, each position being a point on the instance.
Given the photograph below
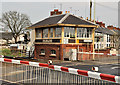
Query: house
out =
(102, 37)
(57, 36)
(7, 41)
(115, 40)
(106, 38)
(5, 38)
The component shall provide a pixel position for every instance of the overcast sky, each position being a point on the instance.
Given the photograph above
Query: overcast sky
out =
(106, 12)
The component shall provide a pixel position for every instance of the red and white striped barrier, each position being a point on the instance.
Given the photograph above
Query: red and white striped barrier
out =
(100, 53)
(95, 75)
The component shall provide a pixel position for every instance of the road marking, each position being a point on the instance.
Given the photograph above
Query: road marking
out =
(26, 79)
(7, 81)
(115, 67)
(13, 73)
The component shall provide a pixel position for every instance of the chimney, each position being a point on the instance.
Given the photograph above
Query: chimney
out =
(81, 17)
(101, 24)
(86, 18)
(66, 12)
(118, 28)
(55, 12)
(110, 27)
(114, 28)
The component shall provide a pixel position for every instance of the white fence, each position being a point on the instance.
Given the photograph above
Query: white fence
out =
(17, 71)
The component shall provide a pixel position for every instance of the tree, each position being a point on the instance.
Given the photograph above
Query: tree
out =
(15, 22)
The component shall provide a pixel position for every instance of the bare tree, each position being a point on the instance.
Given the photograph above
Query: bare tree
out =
(15, 22)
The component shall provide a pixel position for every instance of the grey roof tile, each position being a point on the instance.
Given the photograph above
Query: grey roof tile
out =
(50, 20)
(75, 20)
(104, 31)
(69, 19)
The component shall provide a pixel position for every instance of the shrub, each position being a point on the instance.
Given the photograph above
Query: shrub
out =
(6, 51)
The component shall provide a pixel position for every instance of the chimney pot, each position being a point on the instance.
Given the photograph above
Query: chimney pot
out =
(66, 12)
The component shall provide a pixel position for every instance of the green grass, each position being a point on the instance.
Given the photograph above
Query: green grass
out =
(7, 52)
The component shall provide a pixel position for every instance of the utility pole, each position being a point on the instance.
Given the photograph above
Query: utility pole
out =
(90, 10)
(94, 11)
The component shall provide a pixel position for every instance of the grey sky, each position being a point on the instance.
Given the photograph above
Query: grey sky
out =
(105, 11)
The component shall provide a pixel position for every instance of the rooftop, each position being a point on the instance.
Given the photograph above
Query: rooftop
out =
(6, 35)
(62, 19)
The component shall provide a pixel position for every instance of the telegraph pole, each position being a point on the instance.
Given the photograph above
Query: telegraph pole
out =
(94, 11)
(90, 10)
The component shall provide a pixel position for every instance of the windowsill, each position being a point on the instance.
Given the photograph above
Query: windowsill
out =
(38, 38)
(42, 54)
(53, 55)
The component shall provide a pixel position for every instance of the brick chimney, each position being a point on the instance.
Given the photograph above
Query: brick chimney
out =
(86, 18)
(110, 27)
(101, 24)
(115, 28)
(118, 28)
(55, 12)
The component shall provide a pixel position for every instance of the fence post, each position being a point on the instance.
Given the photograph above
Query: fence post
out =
(82, 55)
(49, 76)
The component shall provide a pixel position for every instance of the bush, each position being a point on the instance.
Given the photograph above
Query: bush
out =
(6, 51)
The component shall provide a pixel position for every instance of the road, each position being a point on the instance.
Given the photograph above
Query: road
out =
(112, 69)
(108, 65)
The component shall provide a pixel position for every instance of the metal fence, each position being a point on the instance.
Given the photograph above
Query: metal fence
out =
(21, 74)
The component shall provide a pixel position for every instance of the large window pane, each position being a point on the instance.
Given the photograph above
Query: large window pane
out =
(84, 33)
(69, 32)
(58, 32)
(45, 33)
(51, 32)
(38, 33)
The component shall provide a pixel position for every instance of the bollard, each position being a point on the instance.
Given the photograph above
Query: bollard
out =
(95, 68)
(50, 62)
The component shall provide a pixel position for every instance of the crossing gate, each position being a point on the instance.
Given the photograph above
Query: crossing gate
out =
(17, 71)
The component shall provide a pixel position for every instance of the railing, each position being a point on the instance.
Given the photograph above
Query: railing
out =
(17, 71)
(100, 53)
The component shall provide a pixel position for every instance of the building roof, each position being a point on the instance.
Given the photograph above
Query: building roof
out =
(116, 31)
(6, 35)
(104, 31)
(62, 19)
(50, 20)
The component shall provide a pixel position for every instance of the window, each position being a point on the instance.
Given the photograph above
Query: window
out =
(38, 33)
(45, 33)
(69, 32)
(84, 32)
(108, 38)
(94, 46)
(53, 52)
(42, 51)
(107, 45)
(58, 32)
(51, 32)
(97, 46)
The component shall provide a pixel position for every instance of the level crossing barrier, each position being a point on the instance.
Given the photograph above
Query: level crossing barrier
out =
(18, 71)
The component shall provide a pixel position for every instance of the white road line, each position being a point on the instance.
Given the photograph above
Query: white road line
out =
(26, 79)
(115, 67)
(7, 81)
(13, 73)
